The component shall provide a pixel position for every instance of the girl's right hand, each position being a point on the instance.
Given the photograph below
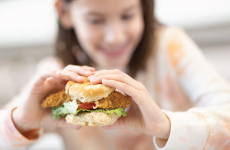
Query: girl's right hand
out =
(30, 115)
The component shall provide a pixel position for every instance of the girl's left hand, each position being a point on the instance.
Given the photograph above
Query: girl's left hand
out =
(144, 115)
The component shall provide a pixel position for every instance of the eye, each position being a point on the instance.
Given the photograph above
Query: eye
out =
(127, 16)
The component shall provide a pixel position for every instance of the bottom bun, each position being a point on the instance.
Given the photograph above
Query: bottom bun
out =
(92, 119)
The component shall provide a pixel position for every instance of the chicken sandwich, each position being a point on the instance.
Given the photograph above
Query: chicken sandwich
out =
(85, 104)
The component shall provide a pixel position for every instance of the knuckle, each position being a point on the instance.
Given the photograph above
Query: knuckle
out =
(117, 71)
(119, 76)
(51, 82)
(141, 86)
(125, 86)
(77, 67)
(67, 67)
(59, 74)
(52, 71)
(100, 72)
(42, 74)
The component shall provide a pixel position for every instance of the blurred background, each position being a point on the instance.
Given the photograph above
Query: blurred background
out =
(28, 30)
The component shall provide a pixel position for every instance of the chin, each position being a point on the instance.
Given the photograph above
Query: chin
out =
(120, 66)
(116, 63)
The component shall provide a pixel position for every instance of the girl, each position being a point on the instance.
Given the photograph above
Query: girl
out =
(160, 68)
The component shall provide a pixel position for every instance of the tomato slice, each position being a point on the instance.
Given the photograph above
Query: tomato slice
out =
(88, 106)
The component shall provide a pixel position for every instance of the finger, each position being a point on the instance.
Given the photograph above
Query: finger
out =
(58, 83)
(104, 72)
(48, 122)
(114, 75)
(79, 70)
(63, 82)
(68, 75)
(42, 78)
(89, 68)
(117, 77)
(119, 124)
(63, 76)
(127, 89)
(54, 81)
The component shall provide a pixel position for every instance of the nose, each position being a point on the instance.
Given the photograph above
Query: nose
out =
(114, 35)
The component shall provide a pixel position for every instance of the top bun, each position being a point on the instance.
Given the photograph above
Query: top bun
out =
(87, 92)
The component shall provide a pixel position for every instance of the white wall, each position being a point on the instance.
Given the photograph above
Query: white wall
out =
(26, 23)
(192, 14)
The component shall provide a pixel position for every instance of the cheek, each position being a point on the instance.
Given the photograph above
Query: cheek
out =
(87, 37)
(136, 30)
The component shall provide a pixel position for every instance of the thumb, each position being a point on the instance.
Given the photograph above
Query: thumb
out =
(119, 124)
(49, 122)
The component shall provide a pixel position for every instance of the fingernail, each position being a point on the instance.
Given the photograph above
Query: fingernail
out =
(92, 76)
(104, 80)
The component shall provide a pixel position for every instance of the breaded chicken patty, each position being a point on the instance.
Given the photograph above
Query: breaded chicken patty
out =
(56, 99)
(114, 100)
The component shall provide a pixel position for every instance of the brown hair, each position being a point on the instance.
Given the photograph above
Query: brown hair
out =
(67, 41)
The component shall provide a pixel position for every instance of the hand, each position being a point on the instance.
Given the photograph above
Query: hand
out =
(30, 115)
(144, 115)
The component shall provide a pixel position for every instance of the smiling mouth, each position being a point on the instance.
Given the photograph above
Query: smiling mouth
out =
(115, 52)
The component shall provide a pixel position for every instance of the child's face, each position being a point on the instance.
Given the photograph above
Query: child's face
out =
(108, 30)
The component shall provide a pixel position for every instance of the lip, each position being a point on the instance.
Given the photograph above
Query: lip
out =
(117, 53)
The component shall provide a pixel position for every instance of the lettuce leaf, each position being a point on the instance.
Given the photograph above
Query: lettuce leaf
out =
(118, 111)
(71, 108)
(63, 110)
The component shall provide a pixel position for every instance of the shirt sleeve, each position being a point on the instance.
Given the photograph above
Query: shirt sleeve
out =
(10, 137)
(207, 125)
